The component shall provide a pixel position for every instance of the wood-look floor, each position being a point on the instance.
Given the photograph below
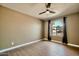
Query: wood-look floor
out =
(45, 48)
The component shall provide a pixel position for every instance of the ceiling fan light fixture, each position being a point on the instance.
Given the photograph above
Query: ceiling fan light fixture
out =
(47, 12)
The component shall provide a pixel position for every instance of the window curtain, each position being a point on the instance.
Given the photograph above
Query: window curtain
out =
(65, 31)
(49, 37)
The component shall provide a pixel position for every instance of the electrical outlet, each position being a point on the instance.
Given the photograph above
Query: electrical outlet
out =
(12, 43)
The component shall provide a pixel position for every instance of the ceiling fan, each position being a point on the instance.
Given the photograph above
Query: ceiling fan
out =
(47, 5)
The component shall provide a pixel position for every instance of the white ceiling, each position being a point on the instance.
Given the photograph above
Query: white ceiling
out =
(33, 9)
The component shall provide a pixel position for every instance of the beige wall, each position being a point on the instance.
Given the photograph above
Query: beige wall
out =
(46, 29)
(18, 28)
(73, 28)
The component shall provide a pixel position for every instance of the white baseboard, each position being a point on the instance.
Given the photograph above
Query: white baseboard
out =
(73, 45)
(56, 41)
(18, 46)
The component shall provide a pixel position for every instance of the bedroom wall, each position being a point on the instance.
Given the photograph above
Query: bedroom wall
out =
(73, 28)
(46, 29)
(18, 28)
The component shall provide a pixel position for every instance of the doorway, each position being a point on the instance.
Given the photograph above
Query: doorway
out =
(57, 28)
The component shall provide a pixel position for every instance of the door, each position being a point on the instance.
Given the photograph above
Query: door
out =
(57, 27)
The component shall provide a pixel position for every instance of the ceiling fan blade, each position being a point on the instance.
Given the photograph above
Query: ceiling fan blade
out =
(42, 12)
(51, 11)
(48, 5)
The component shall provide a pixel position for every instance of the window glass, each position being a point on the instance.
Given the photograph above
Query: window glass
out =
(57, 27)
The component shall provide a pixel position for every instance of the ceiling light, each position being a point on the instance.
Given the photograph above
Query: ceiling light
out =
(47, 12)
